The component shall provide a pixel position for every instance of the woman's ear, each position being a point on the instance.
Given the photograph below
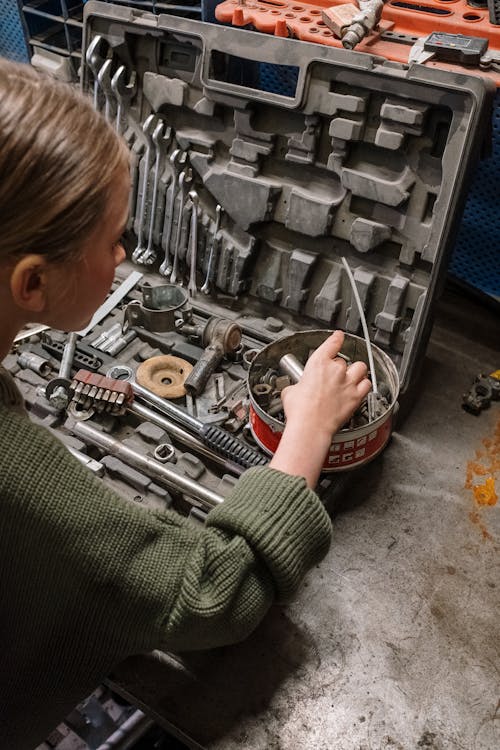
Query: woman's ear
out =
(28, 283)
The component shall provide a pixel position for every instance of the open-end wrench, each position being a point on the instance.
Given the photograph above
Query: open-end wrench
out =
(161, 139)
(95, 58)
(193, 244)
(185, 178)
(177, 160)
(104, 80)
(147, 130)
(123, 92)
(208, 280)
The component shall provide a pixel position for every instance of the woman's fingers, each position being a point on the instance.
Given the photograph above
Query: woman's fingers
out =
(364, 388)
(357, 371)
(330, 347)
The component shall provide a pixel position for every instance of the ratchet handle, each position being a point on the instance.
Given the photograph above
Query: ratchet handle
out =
(230, 447)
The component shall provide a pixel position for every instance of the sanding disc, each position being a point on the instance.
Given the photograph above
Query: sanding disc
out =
(164, 375)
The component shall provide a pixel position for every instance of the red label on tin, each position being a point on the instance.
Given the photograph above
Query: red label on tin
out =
(342, 453)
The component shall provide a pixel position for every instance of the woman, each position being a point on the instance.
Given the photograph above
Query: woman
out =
(87, 578)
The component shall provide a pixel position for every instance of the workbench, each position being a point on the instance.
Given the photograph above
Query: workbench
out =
(393, 639)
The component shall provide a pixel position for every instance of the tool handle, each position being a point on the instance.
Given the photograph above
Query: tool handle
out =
(227, 445)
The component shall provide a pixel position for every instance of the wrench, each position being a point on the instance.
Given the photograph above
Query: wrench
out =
(218, 215)
(123, 94)
(177, 160)
(147, 129)
(104, 80)
(193, 243)
(185, 178)
(161, 139)
(95, 60)
(136, 147)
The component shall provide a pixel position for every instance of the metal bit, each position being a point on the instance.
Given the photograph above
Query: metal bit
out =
(106, 336)
(206, 285)
(193, 244)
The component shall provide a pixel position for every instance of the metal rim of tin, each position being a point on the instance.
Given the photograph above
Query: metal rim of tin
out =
(350, 447)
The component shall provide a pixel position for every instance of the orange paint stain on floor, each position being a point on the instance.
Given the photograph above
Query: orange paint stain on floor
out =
(484, 466)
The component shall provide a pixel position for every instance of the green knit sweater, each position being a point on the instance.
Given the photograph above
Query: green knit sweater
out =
(88, 578)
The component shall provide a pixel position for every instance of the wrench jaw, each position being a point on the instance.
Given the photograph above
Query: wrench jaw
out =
(95, 58)
(124, 93)
(185, 179)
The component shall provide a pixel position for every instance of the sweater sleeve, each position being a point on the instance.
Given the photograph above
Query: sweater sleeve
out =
(130, 579)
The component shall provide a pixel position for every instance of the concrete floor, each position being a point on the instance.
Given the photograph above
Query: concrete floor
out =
(393, 641)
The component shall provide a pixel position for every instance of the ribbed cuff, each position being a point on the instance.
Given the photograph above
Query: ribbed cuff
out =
(282, 520)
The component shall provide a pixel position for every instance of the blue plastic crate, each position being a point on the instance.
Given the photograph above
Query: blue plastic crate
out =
(476, 257)
(12, 42)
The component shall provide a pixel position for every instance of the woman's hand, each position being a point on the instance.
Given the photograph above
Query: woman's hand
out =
(316, 407)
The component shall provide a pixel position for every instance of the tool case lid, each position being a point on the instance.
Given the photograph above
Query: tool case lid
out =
(368, 160)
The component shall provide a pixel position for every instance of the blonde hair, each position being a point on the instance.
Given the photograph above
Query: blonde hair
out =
(58, 161)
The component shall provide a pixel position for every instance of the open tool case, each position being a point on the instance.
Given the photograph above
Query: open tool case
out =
(368, 161)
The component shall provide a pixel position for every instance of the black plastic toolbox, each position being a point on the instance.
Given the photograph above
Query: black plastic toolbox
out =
(368, 161)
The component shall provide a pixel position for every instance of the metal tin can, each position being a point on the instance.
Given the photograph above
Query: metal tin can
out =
(351, 447)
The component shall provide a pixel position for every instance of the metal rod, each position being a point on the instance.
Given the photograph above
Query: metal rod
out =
(29, 332)
(363, 324)
(166, 407)
(291, 366)
(129, 732)
(173, 479)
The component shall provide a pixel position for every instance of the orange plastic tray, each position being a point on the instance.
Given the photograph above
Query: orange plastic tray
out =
(402, 23)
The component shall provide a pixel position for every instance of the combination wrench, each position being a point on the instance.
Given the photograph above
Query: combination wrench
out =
(161, 139)
(185, 178)
(208, 280)
(104, 80)
(147, 130)
(177, 160)
(95, 59)
(193, 244)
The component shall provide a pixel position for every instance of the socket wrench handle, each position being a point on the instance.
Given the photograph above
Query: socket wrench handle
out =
(221, 441)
